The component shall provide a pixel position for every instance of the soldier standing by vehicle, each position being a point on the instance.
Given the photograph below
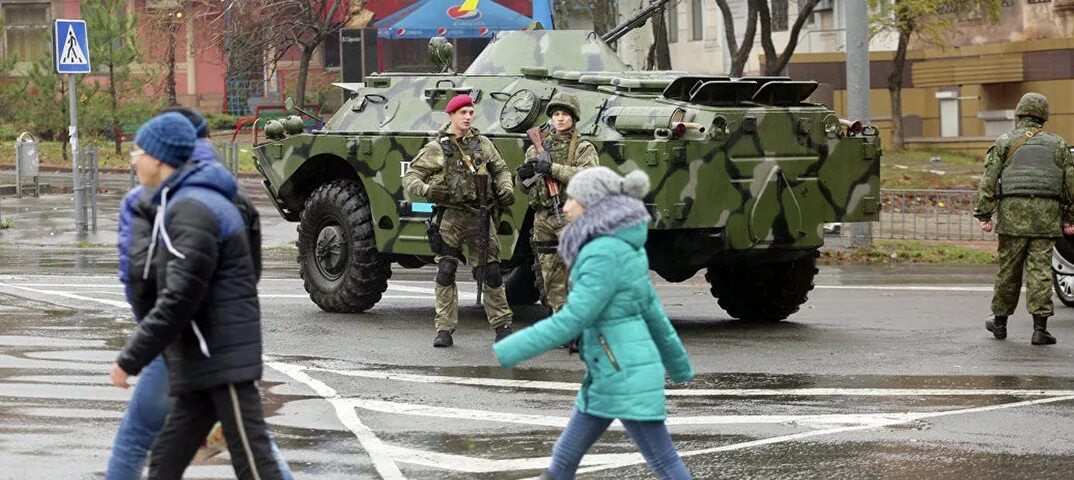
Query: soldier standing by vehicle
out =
(445, 171)
(565, 156)
(1029, 184)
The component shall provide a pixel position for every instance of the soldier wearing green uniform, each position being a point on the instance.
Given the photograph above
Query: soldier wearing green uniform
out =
(445, 172)
(566, 156)
(1028, 184)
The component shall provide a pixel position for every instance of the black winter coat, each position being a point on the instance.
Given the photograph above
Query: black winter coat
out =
(198, 298)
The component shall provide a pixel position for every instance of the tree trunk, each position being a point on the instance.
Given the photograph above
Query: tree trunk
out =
(116, 129)
(895, 89)
(303, 73)
(741, 55)
(169, 80)
(773, 63)
(660, 51)
(603, 16)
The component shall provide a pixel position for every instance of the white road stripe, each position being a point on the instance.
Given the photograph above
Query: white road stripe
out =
(911, 288)
(830, 431)
(702, 392)
(112, 303)
(377, 451)
(561, 422)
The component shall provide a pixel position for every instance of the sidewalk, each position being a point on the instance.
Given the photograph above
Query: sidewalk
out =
(49, 220)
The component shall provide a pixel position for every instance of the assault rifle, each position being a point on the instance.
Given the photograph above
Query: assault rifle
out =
(484, 215)
(553, 187)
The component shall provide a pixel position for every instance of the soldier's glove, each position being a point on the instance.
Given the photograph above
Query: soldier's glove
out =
(526, 171)
(505, 198)
(544, 165)
(439, 193)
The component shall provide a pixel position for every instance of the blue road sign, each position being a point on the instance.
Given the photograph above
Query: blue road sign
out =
(71, 46)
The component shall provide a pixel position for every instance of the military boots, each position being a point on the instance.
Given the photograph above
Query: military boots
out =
(502, 332)
(1040, 331)
(998, 326)
(443, 339)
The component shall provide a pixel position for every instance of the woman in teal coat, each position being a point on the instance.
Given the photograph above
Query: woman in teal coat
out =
(625, 339)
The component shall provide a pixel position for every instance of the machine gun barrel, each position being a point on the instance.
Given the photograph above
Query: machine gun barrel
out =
(631, 23)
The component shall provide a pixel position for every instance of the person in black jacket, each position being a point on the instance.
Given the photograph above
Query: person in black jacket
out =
(205, 315)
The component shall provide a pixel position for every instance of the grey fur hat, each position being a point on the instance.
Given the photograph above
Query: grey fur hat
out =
(592, 184)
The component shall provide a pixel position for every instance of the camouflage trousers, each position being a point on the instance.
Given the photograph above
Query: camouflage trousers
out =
(1031, 255)
(553, 271)
(462, 228)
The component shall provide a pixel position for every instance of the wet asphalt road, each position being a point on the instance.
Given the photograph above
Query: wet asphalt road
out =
(887, 372)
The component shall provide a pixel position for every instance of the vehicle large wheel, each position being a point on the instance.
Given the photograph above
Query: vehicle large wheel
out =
(337, 254)
(767, 292)
(522, 285)
(1064, 288)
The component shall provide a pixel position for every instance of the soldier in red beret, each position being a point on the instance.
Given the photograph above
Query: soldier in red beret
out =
(444, 172)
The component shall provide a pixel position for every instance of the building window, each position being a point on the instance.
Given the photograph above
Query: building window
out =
(779, 15)
(697, 27)
(26, 30)
(330, 49)
(673, 22)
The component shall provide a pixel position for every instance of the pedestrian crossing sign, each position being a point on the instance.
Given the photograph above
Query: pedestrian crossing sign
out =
(71, 46)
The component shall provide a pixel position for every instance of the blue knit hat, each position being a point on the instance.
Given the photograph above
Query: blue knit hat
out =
(168, 137)
(201, 126)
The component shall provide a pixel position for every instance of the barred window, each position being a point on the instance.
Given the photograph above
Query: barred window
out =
(779, 15)
(26, 30)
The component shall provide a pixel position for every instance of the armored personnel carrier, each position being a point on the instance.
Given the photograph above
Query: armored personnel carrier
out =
(744, 171)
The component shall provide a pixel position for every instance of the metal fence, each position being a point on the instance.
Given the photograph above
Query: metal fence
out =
(227, 153)
(239, 93)
(913, 214)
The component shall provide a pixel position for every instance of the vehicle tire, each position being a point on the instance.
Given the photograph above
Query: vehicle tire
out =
(337, 254)
(1064, 288)
(767, 292)
(521, 284)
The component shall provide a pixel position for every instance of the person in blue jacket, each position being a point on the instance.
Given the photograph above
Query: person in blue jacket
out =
(151, 401)
(625, 339)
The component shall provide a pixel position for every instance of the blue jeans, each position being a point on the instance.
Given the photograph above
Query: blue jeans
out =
(149, 406)
(583, 430)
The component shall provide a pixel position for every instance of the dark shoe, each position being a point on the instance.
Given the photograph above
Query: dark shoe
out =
(443, 339)
(502, 332)
(546, 476)
(998, 326)
(1040, 331)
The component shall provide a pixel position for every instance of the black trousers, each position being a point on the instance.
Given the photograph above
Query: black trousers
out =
(238, 409)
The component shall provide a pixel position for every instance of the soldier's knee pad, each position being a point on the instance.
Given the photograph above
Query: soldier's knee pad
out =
(493, 278)
(445, 272)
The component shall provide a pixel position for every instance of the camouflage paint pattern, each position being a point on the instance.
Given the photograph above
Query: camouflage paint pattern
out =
(1032, 255)
(554, 273)
(1032, 104)
(460, 228)
(754, 172)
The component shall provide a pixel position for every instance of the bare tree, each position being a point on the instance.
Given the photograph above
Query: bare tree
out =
(168, 21)
(659, 52)
(740, 54)
(774, 64)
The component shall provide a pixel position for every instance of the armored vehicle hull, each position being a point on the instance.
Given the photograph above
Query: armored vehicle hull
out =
(744, 172)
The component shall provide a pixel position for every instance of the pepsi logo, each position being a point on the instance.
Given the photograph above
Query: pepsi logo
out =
(483, 31)
(399, 32)
(441, 31)
(457, 14)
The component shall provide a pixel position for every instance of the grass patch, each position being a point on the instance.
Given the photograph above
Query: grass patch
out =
(6, 223)
(911, 251)
(915, 169)
(51, 154)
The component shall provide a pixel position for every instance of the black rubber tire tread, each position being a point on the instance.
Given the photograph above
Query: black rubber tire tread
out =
(366, 276)
(1058, 292)
(751, 292)
(520, 284)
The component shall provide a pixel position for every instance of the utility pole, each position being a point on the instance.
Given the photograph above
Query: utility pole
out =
(857, 21)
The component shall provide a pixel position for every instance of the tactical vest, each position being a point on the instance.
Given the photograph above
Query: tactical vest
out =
(458, 172)
(1032, 171)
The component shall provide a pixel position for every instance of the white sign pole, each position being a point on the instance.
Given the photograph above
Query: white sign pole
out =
(80, 208)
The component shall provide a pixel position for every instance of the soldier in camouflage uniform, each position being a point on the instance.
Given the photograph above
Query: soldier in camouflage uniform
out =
(444, 172)
(1028, 183)
(566, 156)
